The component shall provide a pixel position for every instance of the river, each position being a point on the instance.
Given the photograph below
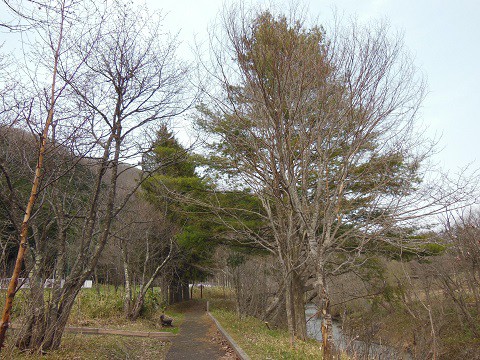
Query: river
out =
(356, 348)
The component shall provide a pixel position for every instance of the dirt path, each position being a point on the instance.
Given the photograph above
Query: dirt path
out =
(198, 338)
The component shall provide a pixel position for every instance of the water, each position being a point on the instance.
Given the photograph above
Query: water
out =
(356, 348)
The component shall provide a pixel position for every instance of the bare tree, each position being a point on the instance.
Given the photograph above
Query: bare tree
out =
(145, 240)
(459, 275)
(125, 85)
(321, 127)
(56, 43)
(116, 88)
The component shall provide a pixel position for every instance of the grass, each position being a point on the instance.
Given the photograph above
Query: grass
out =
(106, 347)
(258, 342)
(252, 335)
(103, 308)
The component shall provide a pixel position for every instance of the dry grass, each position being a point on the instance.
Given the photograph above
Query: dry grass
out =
(258, 342)
(103, 308)
(106, 347)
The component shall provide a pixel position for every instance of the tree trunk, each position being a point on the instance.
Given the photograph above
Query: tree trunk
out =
(300, 321)
(127, 299)
(290, 308)
(12, 287)
(327, 330)
(33, 328)
(43, 329)
(185, 292)
(175, 292)
(135, 310)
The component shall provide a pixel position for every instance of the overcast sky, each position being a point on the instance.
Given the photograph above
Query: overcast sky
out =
(442, 35)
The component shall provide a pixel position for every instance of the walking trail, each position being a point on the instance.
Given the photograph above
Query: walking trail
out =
(198, 337)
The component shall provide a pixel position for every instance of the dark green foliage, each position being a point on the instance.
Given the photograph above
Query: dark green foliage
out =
(235, 259)
(175, 190)
(168, 157)
(69, 181)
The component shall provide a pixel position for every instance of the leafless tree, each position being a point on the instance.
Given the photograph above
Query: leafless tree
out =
(116, 88)
(144, 238)
(321, 127)
(459, 275)
(55, 42)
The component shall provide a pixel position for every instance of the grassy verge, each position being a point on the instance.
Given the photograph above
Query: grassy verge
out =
(102, 308)
(106, 347)
(259, 342)
(253, 336)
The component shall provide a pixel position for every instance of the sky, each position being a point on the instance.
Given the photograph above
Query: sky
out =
(442, 35)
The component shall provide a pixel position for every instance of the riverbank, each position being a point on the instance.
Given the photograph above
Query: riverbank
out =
(353, 345)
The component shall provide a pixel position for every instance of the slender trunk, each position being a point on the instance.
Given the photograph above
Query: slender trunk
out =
(12, 287)
(127, 300)
(58, 316)
(289, 307)
(327, 330)
(185, 292)
(238, 290)
(44, 327)
(133, 312)
(164, 291)
(37, 327)
(33, 328)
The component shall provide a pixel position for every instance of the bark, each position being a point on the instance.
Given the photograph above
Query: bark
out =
(300, 321)
(290, 309)
(12, 287)
(52, 323)
(295, 308)
(31, 334)
(127, 302)
(327, 329)
(185, 292)
(132, 311)
(44, 328)
(154, 94)
(174, 292)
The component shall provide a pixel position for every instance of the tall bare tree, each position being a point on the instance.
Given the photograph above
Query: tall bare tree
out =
(116, 88)
(56, 46)
(321, 127)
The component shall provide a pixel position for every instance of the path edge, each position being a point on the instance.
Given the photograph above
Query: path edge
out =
(237, 349)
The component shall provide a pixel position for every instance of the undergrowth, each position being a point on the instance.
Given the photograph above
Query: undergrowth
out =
(259, 342)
